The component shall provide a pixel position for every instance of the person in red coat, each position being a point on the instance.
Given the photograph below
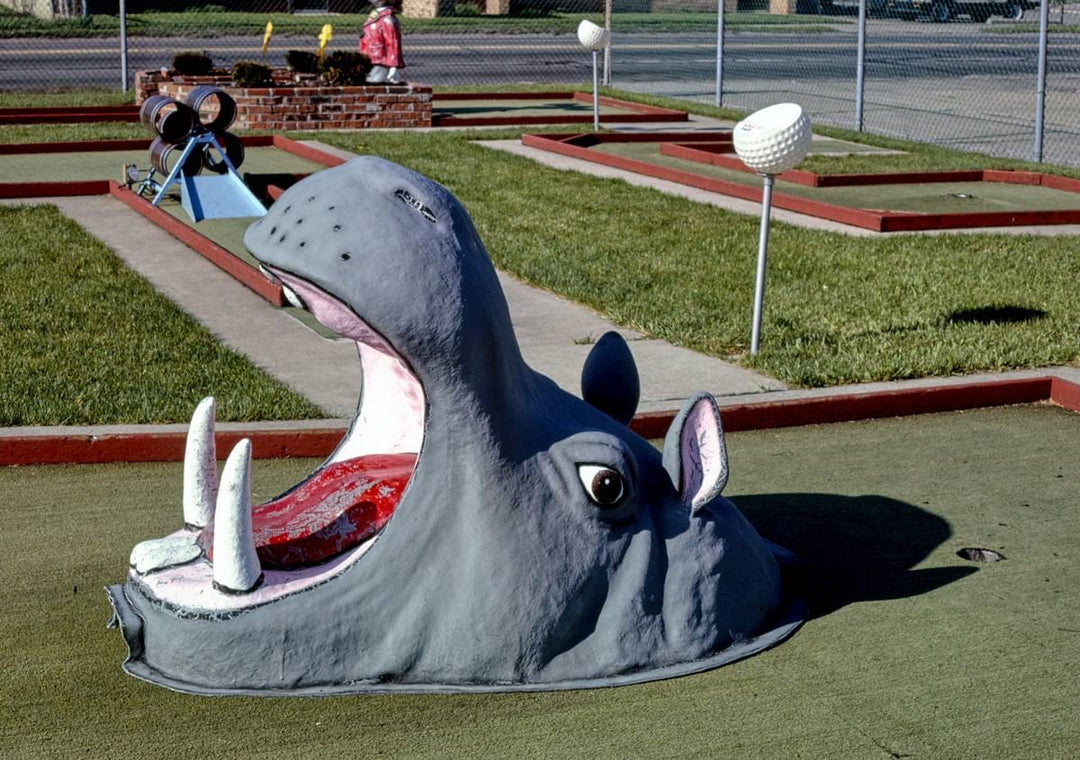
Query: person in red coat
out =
(381, 42)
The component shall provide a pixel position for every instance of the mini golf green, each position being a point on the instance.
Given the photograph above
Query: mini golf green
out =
(911, 650)
(107, 164)
(926, 198)
(525, 109)
(509, 108)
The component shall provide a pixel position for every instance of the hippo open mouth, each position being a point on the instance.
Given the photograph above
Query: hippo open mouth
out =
(479, 528)
(233, 554)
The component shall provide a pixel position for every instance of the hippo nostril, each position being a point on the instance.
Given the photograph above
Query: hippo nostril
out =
(302, 243)
(282, 238)
(299, 221)
(337, 228)
(346, 256)
(273, 230)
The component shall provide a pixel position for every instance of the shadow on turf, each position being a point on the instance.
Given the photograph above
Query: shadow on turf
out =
(988, 315)
(853, 548)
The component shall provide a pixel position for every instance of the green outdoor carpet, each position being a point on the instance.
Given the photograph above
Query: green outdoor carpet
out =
(108, 164)
(923, 198)
(911, 651)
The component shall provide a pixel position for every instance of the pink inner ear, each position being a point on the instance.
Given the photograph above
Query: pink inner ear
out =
(704, 461)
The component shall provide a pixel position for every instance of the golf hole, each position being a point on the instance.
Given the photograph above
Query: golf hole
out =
(968, 196)
(973, 554)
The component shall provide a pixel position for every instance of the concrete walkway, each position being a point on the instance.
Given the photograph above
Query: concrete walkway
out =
(555, 334)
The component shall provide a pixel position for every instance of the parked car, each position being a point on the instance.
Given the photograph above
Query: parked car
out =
(843, 7)
(946, 10)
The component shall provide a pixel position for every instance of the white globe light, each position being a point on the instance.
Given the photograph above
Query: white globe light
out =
(592, 36)
(774, 139)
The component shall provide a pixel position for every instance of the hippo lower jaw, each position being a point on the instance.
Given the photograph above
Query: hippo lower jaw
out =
(231, 555)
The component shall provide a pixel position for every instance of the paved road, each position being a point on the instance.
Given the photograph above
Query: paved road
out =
(952, 83)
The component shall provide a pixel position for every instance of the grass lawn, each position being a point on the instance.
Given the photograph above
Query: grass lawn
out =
(86, 341)
(839, 309)
(211, 23)
(910, 652)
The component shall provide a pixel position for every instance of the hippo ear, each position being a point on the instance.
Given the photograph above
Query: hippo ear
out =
(609, 378)
(695, 456)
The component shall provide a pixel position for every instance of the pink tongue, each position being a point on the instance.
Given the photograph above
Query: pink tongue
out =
(343, 505)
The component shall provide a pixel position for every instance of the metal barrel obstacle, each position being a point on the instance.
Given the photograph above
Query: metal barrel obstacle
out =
(214, 109)
(234, 152)
(188, 137)
(168, 119)
(164, 156)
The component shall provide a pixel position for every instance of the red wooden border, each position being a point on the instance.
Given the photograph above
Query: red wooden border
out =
(53, 189)
(160, 447)
(77, 146)
(303, 151)
(208, 249)
(1065, 394)
(64, 110)
(68, 115)
(727, 159)
(640, 113)
(319, 441)
(565, 95)
(760, 415)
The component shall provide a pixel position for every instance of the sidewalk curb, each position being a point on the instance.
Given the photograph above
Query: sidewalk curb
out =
(318, 438)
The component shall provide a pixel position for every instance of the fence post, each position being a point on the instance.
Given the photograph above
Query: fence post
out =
(123, 45)
(607, 47)
(1040, 85)
(719, 52)
(860, 66)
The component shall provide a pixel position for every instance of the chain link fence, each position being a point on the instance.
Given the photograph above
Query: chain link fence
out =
(953, 72)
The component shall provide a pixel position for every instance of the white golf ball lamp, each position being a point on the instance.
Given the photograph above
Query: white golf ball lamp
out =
(770, 142)
(595, 38)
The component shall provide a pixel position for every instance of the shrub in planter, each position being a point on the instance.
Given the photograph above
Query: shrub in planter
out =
(192, 63)
(302, 61)
(345, 68)
(251, 74)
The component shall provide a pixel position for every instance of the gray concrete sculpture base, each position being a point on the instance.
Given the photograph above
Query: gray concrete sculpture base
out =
(538, 543)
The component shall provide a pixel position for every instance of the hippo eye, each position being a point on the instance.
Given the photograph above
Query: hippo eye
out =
(603, 485)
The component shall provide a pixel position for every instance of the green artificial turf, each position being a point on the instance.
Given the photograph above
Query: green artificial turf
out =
(924, 198)
(32, 133)
(108, 164)
(522, 108)
(910, 651)
(98, 96)
(87, 341)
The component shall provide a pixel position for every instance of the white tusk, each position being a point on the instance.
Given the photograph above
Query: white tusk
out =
(236, 565)
(200, 466)
(292, 297)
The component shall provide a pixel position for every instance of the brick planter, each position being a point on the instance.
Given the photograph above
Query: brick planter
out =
(290, 105)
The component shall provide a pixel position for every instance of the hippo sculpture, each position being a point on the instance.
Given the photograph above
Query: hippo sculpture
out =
(478, 528)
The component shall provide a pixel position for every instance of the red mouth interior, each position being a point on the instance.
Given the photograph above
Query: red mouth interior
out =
(338, 508)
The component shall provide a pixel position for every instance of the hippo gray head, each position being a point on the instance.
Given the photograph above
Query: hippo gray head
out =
(478, 528)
